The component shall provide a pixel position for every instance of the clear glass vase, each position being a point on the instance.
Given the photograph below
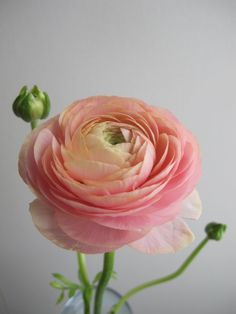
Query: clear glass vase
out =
(75, 305)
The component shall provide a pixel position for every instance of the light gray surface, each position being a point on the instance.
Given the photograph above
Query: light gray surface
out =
(178, 54)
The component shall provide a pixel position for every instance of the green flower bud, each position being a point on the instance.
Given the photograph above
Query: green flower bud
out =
(31, 105)
(215, 231)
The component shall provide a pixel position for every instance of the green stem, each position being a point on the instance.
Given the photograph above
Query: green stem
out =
(108, 264)
(151, 283)
(84, 278)
(83, 272)
(34, 124)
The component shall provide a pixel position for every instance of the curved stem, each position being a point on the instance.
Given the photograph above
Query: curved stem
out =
(34, 124)
(151, 283)
(108, 264)
(84, 278)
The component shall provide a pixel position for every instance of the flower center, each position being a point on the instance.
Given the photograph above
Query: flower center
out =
(113, 135)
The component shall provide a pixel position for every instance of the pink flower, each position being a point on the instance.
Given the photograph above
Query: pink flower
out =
(111, 171)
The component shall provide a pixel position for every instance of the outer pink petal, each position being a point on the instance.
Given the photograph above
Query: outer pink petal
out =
(44, 220)
(133, 222)
(26, 163)
(86, 231)
(192, 206)
(166, 238)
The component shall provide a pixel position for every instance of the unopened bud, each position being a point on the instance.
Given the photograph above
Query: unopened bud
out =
(31, 105)
(215, 231)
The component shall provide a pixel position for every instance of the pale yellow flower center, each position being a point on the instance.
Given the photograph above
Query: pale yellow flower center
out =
(105, 142)
(113, 135)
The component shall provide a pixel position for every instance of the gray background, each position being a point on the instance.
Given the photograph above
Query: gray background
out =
(177, 54)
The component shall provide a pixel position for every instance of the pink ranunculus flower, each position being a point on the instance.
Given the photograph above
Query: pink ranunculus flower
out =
(111, 171)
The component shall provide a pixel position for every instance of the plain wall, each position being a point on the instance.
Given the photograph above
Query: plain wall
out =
(176, 54)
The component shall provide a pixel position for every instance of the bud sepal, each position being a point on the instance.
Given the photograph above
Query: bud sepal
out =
(215, 231)
(31, 105)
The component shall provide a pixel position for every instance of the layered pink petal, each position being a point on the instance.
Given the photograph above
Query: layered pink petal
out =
(167, 238)
(136, 223)
(44, 220)
(89, 232)
(191, 206)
